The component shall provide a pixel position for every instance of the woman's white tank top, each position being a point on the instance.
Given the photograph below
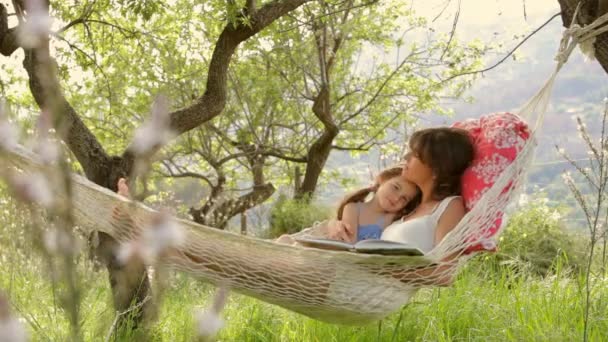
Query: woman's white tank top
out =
(419, 231)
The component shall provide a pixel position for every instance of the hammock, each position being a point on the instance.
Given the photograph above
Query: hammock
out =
(332, 286)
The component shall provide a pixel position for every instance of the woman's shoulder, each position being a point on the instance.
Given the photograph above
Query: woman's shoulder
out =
(449, 218)
(455, 205)
(450, 206)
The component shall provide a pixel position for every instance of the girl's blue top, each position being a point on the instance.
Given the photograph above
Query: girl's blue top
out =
(369, 231)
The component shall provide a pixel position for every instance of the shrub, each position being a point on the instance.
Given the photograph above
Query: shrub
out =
(289, 216)
(535, 241)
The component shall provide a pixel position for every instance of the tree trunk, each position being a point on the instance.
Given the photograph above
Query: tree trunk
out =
(130, 283)
(320, 149)
(590, 10)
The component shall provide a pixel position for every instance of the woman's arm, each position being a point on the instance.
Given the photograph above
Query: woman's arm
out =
(440, 274)
(449, 219)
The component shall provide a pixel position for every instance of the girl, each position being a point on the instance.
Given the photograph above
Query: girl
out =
(438, 158)
(393, 198)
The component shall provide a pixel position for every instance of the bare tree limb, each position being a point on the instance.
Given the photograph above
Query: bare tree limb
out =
(213, 100)
(506, 56)
(454, 24)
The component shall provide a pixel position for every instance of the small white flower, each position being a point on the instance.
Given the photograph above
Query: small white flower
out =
(163, 233)
(128, 251)
(47, 150)
(209, 322)
(489, 244)
(32, 188)
(156, 131)
(523, 199)
(11, 330)
(9, 135)
(37, 26)
(57, 241)
(567, 177)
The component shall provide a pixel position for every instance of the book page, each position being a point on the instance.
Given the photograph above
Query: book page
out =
(325, 243)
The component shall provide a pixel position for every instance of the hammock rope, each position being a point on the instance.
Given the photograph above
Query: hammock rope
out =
(332, 286)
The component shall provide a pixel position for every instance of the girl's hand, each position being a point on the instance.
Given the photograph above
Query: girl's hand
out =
(123, 188)
(340, 230)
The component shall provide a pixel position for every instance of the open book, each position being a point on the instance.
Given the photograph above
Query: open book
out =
(371, 246)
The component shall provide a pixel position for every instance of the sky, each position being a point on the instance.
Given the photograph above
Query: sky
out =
(508, 86)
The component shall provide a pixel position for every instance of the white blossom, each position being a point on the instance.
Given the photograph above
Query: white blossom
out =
(156, 131)
(8, 133)
(161, 234)
(47, 149)
(127, 251)
(31, 188)
(57, 241)
(567, 177)
(489, 244)
(37, 26)
(11, 330)
(523, 199)
(209, 322)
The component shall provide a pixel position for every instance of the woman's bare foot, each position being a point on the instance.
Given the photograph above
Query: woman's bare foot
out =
(123, 188)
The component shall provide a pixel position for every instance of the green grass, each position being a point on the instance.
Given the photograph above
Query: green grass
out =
(476, 308)
(488, 302)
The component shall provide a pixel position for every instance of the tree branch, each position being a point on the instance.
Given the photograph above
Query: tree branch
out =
(81, 141)
(8, 37)
(213, 100)
(506, 56)
(250, 7)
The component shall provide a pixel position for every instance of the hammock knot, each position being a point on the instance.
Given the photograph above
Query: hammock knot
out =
(569, 41)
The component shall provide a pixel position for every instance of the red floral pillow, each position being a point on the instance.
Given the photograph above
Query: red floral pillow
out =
(498, 138)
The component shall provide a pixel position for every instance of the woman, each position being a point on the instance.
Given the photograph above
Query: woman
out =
(436, 161)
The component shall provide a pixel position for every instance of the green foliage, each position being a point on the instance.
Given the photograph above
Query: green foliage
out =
(473, 309)
(145, 8)
(289, 216)
(535, 242)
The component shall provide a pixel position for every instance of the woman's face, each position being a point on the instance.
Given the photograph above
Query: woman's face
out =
(415, 171)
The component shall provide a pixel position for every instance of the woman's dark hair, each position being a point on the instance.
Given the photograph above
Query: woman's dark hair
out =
(448, 151)
(385, 175)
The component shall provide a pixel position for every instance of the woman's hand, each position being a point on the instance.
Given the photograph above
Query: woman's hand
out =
(340, 230)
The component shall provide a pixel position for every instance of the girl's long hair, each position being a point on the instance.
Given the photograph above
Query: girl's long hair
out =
(361, 194)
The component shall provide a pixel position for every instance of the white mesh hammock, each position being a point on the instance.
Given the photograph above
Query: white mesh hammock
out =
(332, 286)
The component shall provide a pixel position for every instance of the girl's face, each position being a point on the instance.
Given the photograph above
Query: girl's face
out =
(395, 193)
(415, 171)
